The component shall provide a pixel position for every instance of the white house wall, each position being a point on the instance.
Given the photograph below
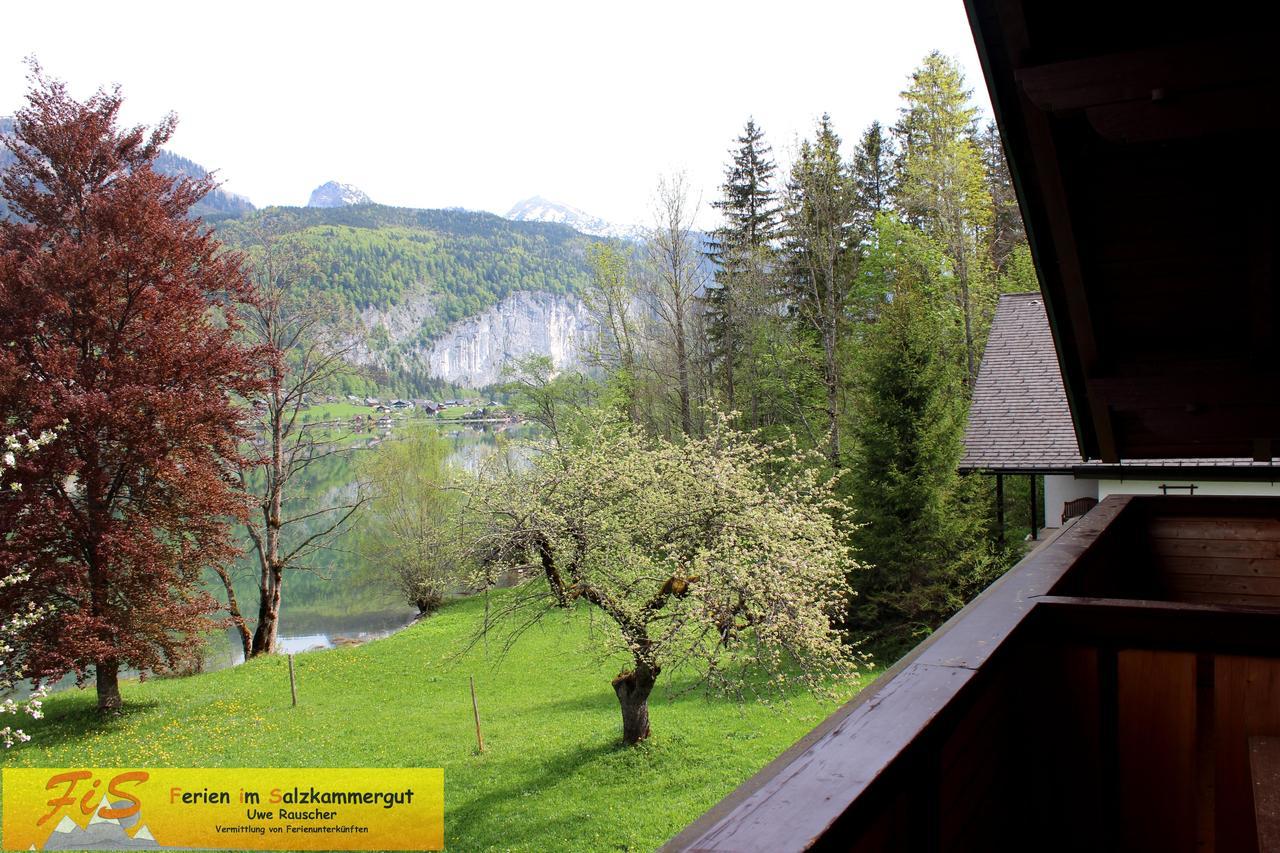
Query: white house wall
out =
(1060, 488)
(1203, 487)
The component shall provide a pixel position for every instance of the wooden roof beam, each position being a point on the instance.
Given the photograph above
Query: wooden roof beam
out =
(1191, 116)
(1262, 342)
(1052, 237)
(1062, 233)
(1164, 74)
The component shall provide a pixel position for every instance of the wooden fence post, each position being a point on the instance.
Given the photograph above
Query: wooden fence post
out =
(475, 710)
(293, 683)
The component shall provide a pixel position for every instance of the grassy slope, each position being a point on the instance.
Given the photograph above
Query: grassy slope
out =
(553, 776)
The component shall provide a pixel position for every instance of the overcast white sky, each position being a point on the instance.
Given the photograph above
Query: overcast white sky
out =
(481, 104)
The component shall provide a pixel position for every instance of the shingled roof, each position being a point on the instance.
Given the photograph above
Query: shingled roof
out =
(1019, 420)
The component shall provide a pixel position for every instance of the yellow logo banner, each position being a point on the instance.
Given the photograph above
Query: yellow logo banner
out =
(242, 809)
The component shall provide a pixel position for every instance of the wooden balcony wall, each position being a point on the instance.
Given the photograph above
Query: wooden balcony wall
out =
(1099, 697)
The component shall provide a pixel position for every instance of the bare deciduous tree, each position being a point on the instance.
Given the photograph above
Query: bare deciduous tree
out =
(312, 344)
(673, 280)
(611, 301)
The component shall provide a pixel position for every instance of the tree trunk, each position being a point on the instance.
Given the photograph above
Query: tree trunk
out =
(233, 608)
(264, 636)
(633, 689)
(831, 368)
(108, 683)
(682, 371)
(831, 379)
(730, 350)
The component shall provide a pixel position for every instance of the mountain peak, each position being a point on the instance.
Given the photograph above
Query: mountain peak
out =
(539, 209)
(334, 194)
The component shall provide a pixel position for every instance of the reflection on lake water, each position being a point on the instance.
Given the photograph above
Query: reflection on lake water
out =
(338, 600)
(341, 600)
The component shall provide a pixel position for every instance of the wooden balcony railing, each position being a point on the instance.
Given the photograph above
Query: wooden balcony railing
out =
(1100, 696)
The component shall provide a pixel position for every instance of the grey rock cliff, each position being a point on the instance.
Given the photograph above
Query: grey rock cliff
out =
(474, 351)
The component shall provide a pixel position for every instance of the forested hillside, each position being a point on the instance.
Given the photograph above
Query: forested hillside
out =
(373, 256)
(216, 204)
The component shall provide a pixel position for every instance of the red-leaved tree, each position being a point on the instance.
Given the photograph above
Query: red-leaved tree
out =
(117, 318)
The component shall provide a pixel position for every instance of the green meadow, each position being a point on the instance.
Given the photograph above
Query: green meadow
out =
(553, 775)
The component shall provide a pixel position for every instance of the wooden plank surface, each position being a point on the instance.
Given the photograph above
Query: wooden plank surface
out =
(1250, 529)
(1228, 561)
(1246, 705)
(1157, 739)
(1168, 625)
(1132, 75)
(1238, 548)
(1245, 600)
(1264, 767)
(1262, 585)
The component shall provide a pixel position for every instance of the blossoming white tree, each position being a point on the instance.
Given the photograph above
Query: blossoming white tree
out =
(15, 623)
(706, 553)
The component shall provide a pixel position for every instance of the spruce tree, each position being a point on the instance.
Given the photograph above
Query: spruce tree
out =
(821, 250)
(1007, 230)
(739, 248)
(749, 205)
(921, 539)
(872, 178)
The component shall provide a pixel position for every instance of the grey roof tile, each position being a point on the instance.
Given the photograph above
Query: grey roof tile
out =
(1019, 418)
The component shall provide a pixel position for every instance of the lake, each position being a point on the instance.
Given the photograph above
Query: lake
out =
(339, 597)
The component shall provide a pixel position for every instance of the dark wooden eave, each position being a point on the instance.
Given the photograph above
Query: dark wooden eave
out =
(1141, 142)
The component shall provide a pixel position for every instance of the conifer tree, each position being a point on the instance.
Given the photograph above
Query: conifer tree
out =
(872, 178)
(920, 538)
(750, 205)
(821, 249)
(740, 248)
(1007, 230)
(942, 190)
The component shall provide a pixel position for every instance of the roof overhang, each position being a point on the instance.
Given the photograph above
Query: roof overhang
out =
(1198, 474)
(1140, 138)
(1013, 470)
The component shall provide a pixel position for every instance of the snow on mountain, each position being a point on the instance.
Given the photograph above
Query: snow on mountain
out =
(334, 194)
(539, 209)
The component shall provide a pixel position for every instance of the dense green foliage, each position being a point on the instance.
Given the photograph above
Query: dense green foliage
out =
(378, 257)
(551, 776)
(925, 533)
(850, 309)
(751, 212)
